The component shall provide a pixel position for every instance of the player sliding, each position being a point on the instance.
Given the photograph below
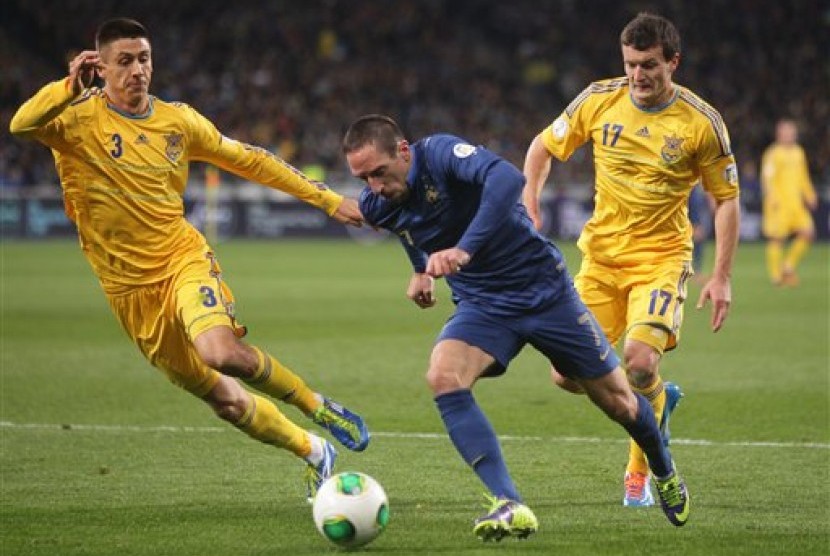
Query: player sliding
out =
(123, 159)
(456, 210)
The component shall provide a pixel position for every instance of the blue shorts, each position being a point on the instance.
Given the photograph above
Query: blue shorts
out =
(564, 331)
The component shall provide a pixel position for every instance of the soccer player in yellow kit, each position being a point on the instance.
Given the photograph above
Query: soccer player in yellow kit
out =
(652, 141)
(788, 198)
(123, 158)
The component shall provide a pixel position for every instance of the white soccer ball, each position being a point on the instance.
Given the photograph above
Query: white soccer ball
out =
(350, 509)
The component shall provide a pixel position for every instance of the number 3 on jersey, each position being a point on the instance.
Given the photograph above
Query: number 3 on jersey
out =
(208, 296)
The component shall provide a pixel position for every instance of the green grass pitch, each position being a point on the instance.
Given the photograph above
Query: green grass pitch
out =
(101, 456)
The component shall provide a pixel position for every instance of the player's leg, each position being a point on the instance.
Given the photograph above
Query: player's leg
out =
(804, 236)
(597, 287)
(774, 258)
(614, 396)
(569, 335)
(655, 311)
(205, 306)
(260, 419)
(456, 363)
(149, 318)
(773, 229)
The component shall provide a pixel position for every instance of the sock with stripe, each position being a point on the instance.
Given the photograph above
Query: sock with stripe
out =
(474, 438)
(645, 432)
(655, 394)
(277, 380)
(264, 422)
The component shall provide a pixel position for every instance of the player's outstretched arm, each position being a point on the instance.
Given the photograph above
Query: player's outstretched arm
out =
(48, 103)
(348, 213)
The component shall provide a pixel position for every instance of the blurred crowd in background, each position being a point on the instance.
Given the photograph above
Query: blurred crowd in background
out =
(290, 76)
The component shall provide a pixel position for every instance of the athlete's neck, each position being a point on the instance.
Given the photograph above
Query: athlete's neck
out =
(139, 107)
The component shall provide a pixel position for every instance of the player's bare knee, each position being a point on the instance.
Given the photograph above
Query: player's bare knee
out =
(441, 381)
(641, 367)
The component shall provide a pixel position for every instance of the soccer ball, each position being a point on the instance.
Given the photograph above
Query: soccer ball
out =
(350, 509)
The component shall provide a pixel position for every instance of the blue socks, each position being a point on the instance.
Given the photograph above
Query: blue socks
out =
(474, 438)
(645, 432)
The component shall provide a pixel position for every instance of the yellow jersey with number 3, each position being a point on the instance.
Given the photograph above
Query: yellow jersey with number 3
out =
(123, 177)
(646, 161)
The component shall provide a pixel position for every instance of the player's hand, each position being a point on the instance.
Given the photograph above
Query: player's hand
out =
(719, 292)
(421, 290)
(348, 213)
(448, 261)
(82, 70)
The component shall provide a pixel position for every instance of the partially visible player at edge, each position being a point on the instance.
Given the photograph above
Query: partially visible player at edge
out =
(652, 141)
(457, 211)
(123, 158)
(788, 198)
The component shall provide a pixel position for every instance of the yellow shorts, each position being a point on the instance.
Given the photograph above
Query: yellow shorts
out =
(782, 223)
(624, 299)
(164, 318)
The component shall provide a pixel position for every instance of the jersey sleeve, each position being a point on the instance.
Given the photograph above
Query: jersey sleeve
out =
(500, 183)
(571, 129)
(718, 170)
(39, 117)
(255, 164)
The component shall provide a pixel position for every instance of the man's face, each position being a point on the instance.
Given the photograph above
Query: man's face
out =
(649, 75)
(385, 175)
(127, 67)
(786, 132)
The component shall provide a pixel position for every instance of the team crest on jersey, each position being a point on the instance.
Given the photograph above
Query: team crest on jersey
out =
(431, 194)
(175, 146)
(463, 150)
(671, 151)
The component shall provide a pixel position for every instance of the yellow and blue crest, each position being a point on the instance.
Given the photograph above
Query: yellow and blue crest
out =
(672, 149)
(175, 146)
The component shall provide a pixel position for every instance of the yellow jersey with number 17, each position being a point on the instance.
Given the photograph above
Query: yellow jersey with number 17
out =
(646, 164)
(123, 177)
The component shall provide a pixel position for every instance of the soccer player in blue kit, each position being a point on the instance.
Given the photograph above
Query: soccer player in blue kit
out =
(457, 210)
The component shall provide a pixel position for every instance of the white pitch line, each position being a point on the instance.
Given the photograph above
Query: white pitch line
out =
(424, 435)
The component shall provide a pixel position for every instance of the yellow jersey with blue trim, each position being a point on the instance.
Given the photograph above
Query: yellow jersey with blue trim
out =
(786, 178)
(123, 177)
(646, 161)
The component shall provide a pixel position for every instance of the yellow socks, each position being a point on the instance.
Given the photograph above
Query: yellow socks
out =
(264, 422)
(797, 250)
(656, 396)
(276, 380)
(775, 253)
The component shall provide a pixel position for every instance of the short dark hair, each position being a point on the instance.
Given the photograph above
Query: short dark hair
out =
(119, 28)
(648, 30)
(378, 129)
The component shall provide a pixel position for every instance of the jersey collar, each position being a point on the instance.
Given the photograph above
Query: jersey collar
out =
(143, 116)
(659, 107)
